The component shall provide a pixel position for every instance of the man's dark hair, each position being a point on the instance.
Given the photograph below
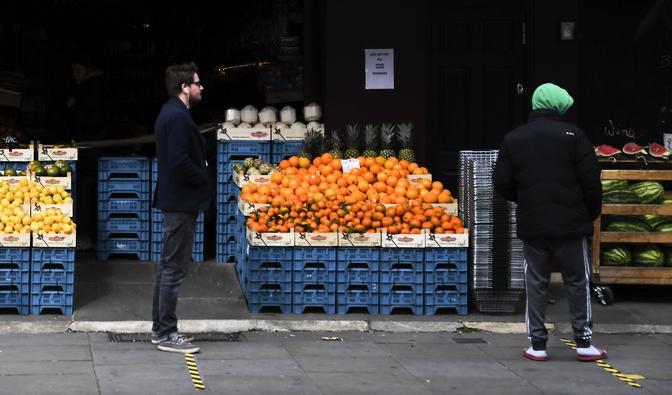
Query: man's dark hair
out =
(178, 74)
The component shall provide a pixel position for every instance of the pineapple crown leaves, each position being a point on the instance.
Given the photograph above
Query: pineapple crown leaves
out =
(334, 141)
(354, 135)
(388, 135)
(371, 136)
(313, 143)
(405, 133)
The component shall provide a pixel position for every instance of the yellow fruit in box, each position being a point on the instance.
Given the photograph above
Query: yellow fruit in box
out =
(67, 229)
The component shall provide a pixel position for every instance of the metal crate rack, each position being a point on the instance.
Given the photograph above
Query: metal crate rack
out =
(497, 279)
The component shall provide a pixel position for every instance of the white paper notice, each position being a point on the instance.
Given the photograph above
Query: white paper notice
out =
(379, 68)
(349, 164)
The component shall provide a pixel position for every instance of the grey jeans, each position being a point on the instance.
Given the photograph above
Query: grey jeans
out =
(572, 255)
(178, 240)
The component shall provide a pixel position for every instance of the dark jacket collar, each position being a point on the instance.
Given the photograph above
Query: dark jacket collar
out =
(174, 100)
(544, 115)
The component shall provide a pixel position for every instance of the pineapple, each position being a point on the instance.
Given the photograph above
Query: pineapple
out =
(312, 145)
(406, 137)
(387, 138)
(353, 136)
(371, 141)
(336, 145)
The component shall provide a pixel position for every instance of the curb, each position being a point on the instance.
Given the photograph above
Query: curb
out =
(274, 325)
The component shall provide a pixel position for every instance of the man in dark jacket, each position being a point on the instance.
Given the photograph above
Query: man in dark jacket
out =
(549, 168)
(182, 190)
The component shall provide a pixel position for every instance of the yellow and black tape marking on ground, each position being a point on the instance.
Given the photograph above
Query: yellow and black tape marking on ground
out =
(193, 372)
(626, 378)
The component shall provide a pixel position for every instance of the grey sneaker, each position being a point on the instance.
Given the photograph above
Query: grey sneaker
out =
(177, 343)
(156, 339)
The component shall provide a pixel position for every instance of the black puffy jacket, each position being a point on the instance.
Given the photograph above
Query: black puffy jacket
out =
(549, 168)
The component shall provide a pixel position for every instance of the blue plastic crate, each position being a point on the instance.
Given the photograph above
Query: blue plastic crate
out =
(51, 300)
(401, 272)
(226, 228)
(122, 225)
(104, 215)
(123, 246)
(226, 238)
(402, 255)
(226, 248)
(289, 147)
(445, 273)
(260, 296)
(270, 254)
(64, 287)
(460, 287)
(357, 272)
(157, 221)
(224, 258)
(452, 255)
(232, 150)
(358, 254)
(401, 296)
(227, 208)
(138, 186)
(53, 255)
(53, 276)
(123, 163)
(270, 272)
(138, 235)
(225, 198)
(14, 255)
(309, 272)
(157, 237)
(14, 295)
(355, 297)
(314, 296)
(14, 273)
(458, 309)
(446, 297)
(315, 254)
(225, 218)
(392, 309)
(118, 195)
(124, 205)
(227, 187)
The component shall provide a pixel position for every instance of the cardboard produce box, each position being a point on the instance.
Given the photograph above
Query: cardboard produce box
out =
(359, 239)
(15, 240)
(270, 239)
(244, 134)
(50, 153)
(402, 241)
(24, 154)
(54, 240)
(434, 240)
(315, 239)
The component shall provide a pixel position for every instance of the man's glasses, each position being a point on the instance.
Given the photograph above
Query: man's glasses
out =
(197, 83)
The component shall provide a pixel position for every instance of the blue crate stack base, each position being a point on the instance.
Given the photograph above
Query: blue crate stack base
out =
(157, 227)
(123, 207)
(346, 280)
(229, 153)
(15, 279)
(283, 149)
(52, 272)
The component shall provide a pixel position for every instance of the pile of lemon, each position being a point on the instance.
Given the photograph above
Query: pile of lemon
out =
(15, 213)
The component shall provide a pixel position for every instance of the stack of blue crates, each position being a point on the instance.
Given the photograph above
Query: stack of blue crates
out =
(229, 153)
(445, 280)
(314, 279)
(401, 280)
(283, 149)
(15, 279)
(357, 279)
(52, 273)
(157, 227)
(123, 207)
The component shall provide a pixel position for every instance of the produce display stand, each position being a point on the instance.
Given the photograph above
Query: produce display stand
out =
(625, 274)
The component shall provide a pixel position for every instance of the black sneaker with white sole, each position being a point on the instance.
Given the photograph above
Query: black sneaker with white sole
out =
(179, 344)
(156, 339)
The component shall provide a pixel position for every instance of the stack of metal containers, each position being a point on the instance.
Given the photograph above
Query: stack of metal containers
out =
(497, 278)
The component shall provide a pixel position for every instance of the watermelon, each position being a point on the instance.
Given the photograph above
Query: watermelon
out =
(620, 197)
(616, 256)
(649, 255)
(664, 227)
(626, 224)
(658, 151)
(614, 185)
(667, 250)
(606, 151)
(633, 149)
(656, 220)
(648, 191)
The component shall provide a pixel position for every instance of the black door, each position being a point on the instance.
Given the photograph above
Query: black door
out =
(477, 70)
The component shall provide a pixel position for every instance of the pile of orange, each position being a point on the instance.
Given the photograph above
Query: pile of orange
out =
(377, 180)
(318, 197)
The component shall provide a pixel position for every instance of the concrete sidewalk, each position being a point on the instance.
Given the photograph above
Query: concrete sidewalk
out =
(116, 296)
(305, 363)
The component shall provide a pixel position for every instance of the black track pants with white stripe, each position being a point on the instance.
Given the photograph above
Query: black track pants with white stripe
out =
(572, 256)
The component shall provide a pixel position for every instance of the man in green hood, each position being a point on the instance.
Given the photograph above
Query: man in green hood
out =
(549, 168)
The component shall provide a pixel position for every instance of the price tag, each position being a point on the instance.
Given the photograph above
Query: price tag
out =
(349, 164)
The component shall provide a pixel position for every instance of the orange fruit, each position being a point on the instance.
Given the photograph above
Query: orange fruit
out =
(430, 197)
(303, 163)
(437, 185)
(392, 181)
(380, 160)
(277, 177)
(327, 158)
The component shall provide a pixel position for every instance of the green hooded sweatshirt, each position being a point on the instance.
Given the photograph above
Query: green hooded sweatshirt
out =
(551, 97)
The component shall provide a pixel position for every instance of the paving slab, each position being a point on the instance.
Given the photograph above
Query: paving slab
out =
(242, 350)
(251, 385)
(12, 354)
(484, 385)
(132, 354)
(47, 368)
(456, 368)
(348, 364)
(649, 368)
(657, 387)
(144, 379)
(259, 367)
(433, 352)
(71, 384)
(399, 383)
(47, 339)
(335, 348)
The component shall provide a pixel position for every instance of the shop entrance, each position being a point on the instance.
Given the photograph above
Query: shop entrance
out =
(477, 82)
